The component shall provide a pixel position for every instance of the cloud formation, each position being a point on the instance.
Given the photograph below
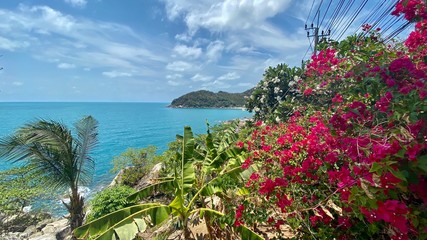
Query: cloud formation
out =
(66, 66)
(115, 74)
(77, 3)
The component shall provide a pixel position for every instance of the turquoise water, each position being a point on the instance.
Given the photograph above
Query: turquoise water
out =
(121, 125)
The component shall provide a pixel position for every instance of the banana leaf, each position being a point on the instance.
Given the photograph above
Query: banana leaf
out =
(125, 223)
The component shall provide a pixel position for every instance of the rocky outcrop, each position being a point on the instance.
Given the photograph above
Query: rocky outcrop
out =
(48, 229)
(150, 177)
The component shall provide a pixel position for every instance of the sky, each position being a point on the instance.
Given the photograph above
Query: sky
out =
(145, 50)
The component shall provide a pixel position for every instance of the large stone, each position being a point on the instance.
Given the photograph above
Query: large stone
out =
(44, 237)
(150, 177)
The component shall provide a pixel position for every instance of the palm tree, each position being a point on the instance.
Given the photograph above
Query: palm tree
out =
(59, 159)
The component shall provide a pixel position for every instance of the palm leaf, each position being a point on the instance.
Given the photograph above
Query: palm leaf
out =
(123, 223)
(87, 138)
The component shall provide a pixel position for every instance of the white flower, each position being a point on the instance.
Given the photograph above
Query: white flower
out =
(291, 83)
(277, 119)
(278, 98)
(256, 109)
(297, 78)
(276, 90)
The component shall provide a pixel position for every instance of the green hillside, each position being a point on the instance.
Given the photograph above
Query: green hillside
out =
(208, 99)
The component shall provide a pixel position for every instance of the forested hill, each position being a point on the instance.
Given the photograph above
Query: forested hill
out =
(207, 99)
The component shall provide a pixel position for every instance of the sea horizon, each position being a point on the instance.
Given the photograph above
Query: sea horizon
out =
(122, 125)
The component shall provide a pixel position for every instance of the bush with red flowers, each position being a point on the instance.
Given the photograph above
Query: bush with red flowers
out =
(353, 163)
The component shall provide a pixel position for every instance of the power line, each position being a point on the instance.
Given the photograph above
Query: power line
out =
(317, 12)
(344, 13)
(356, 13)
(309, 13)
(326, 12)
(335, 14)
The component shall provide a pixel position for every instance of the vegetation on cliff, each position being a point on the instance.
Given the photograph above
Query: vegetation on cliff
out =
(207, 99)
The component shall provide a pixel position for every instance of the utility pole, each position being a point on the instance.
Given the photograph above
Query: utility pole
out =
(315, 32)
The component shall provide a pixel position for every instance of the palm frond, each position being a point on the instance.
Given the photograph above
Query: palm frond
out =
(87, 138)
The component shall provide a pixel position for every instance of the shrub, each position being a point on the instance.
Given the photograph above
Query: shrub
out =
(353, 163)
(136, 163)
(109, 200)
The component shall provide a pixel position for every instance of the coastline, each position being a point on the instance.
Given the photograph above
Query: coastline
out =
(219, 108)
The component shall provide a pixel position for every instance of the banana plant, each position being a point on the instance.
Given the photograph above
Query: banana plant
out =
(189, 188)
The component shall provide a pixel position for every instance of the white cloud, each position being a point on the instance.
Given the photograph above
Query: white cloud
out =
(66, 66)
(174, 76)
(18, 83)
(185, 51)
(183, 37)
(201, 78)
(11, 45)
(179, 66)
(229, 76)
(77, 3)
(245, 84)
(214, 50)
(93, 44)
(175, 83)
(224, 14)
(115, 74)
(215, 85)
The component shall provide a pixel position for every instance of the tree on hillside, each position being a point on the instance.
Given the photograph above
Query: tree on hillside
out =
(278, 86)
(56, 157)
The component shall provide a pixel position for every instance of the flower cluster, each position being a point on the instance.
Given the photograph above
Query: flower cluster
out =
(278, 84)
(356, 167)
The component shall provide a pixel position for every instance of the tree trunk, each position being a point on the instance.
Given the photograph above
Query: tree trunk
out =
(187, 233)
(75, 208)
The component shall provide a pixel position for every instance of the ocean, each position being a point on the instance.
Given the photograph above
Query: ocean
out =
(121, 126)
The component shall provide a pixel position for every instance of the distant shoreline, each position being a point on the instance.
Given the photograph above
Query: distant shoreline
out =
(221, 108)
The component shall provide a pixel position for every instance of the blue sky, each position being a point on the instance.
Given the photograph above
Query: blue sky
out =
(145, 50)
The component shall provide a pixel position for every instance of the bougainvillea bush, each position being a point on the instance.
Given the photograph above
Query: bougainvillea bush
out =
(353, 164)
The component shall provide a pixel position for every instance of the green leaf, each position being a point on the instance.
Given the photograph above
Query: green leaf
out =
(422, 163)
(166, 183)
(375, 167)
(243, 191)
(244, 231)
(123, 222)
(398, 174)
(248, 234)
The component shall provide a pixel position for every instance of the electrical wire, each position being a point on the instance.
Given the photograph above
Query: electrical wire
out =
(342, 16)
(326, 12)
(309, 13)
(356, 13)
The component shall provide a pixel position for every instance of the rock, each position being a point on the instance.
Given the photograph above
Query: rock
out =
(44, 237)
(149, 178)
(40, 225)
(117, 179)
(30, 229)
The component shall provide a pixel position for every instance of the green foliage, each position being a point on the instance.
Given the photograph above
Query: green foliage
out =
(207, 99)
(19, 188)
(198, 168)
(109, 200)
(136, 163)
(279, 84)
(56, 158)
(134, 157)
